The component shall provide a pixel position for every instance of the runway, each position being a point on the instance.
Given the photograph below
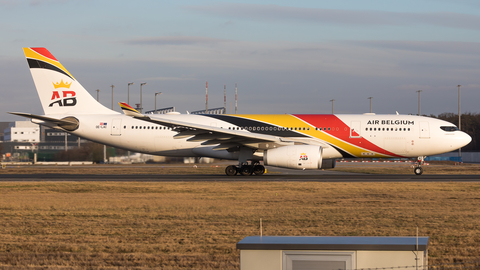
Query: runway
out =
(273, 175)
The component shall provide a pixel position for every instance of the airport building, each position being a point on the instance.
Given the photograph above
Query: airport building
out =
(332, 252)
(22, 131)
(21, 139)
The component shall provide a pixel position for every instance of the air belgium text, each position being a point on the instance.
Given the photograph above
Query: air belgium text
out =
(390, 122)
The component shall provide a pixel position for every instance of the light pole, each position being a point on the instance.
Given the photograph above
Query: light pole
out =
(112, 94)
(128, 102)
(459, 112)
(332, 104)
(158, 93)
(98, 90)
(459, 118)
(141, 102)
(419, 110)
(370, 104)
(128, 93)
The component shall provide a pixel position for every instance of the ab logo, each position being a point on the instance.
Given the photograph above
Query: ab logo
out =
(69, 98)
(303, 156)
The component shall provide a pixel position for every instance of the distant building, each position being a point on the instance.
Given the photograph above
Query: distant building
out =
(162, 111)
(3, 126)
(220, 110)
(22, 138)
(22, 131)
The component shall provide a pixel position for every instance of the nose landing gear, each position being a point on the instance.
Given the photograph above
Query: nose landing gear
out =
(418, 170)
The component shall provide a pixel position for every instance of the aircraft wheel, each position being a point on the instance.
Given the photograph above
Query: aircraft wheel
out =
(258, 169)
(231, 170)
(418, 170)
(246, 170)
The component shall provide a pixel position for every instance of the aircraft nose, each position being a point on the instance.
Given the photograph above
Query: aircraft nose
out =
(463, 139)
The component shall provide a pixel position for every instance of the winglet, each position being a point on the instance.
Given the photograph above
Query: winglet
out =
(129, 110)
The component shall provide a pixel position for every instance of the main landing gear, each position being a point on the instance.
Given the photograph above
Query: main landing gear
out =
(418, 170)
(245, 169)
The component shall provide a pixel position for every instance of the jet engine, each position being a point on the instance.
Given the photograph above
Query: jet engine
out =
(297, 157)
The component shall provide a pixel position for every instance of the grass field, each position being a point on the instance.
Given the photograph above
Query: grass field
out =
(135, 225)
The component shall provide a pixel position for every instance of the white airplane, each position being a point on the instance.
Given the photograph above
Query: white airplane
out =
(296, 141)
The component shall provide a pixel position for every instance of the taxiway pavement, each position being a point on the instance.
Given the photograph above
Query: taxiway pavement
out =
(273, 175)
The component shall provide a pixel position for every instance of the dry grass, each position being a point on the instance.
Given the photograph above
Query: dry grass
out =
(117, 169)
(196, 225)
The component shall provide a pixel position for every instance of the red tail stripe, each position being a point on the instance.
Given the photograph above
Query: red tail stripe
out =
(45, 53)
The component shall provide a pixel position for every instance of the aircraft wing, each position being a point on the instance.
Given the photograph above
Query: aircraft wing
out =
(209, 135)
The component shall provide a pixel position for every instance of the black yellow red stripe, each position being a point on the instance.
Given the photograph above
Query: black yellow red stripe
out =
(328, 128)
(127, 107)
(42, 58)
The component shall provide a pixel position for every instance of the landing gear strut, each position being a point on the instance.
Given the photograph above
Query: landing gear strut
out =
(418, 170)
(245, 169)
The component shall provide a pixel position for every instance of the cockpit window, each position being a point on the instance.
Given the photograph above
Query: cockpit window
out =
(449, 128)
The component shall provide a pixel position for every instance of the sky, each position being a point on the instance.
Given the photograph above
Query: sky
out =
(285, 56)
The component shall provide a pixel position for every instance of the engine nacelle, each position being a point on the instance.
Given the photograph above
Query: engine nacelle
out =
(295, 157)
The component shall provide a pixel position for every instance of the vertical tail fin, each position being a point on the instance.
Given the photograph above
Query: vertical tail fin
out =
(58, 90)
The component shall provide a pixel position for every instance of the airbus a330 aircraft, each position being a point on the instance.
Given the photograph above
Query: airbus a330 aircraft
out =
(296, 141)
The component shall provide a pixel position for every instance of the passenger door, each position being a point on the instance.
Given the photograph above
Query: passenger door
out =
(116, 127)
(355, 129)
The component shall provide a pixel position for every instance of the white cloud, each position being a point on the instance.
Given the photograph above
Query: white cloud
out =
(393, 59)
(175, 40)
(168, 79)
(338, 16)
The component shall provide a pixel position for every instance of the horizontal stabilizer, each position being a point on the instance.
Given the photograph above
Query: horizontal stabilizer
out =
(68, 123)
